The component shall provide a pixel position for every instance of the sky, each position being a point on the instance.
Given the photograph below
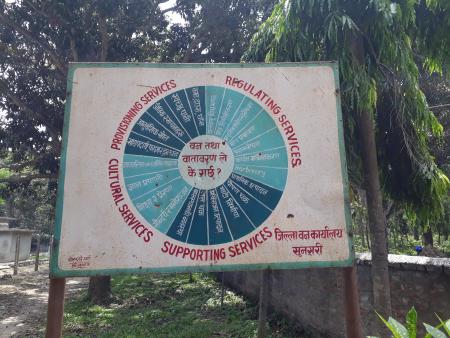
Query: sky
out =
(171, 16)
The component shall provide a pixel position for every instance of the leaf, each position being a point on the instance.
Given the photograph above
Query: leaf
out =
(401, 330)
(411, 322)
(445, 325)
(390, 326)
(435, 333)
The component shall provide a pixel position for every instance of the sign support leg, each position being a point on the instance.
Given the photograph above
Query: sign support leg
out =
(263, 303)
(55, 308)
(351, 303)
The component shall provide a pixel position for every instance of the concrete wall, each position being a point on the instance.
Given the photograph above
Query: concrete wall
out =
(8, 244)
(313, 297)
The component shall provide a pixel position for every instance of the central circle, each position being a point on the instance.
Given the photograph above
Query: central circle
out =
(206, 162)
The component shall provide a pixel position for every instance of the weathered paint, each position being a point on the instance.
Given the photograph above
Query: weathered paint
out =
(138, 161)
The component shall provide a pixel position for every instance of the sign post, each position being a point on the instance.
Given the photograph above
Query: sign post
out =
(205, 167)
(263, 303)
(55, 308)
(351, 303)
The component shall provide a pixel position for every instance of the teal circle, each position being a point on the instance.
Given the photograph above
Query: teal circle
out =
(199, 216)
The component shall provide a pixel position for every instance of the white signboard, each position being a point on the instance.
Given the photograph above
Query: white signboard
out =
(201, 168)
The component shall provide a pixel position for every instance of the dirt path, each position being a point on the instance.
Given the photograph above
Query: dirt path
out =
(23, 300)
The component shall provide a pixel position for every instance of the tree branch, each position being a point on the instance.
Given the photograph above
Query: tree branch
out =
(190, 49)
(73, 47)
(20, 56)
(103, 28)
(23, 178)
(25, 33)
(440, 106)
(58, 20)
(53, 18)
(170, 9)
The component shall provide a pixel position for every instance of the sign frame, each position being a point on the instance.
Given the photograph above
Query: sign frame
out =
(56, 272)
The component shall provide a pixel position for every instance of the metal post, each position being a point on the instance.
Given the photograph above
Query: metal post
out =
(38, 250)
(351, 303)
(222, 293)
(16, 255)
(263, 303)
(55, 308)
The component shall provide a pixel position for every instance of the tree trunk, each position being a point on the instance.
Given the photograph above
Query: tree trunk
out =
(99, 291)
(428, 237)
(416, 232)
(9, 207)
(377, 220)
(445, 232)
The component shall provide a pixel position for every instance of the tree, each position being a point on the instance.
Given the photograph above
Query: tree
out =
(215, 31)
(39, 37)
(37, 40)
(386, 117)
(31, 204)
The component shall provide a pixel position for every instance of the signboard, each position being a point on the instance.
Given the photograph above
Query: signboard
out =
(200, 168)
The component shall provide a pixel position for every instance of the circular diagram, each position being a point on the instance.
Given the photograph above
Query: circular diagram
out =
(205, 165)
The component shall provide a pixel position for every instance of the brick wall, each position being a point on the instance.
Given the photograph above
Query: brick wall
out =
(313, 297)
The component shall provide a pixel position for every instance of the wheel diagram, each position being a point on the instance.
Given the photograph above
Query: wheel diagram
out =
(205, 165)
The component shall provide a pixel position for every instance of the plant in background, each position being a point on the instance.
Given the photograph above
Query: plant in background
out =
(4, 173)
(410, 330)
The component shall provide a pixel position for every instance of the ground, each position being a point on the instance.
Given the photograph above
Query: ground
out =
(149, 305)
(23, 300)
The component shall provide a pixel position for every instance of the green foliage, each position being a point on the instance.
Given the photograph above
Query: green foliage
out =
(400, 331)
(38, 38)
(411, 323)
(375, 43)
(216, 31)
(410, 331)
(156, 305)
(33, 206)
(4, 173)
(433, 332)
(445, 325)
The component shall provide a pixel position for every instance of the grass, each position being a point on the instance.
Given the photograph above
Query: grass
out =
(163, 305)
